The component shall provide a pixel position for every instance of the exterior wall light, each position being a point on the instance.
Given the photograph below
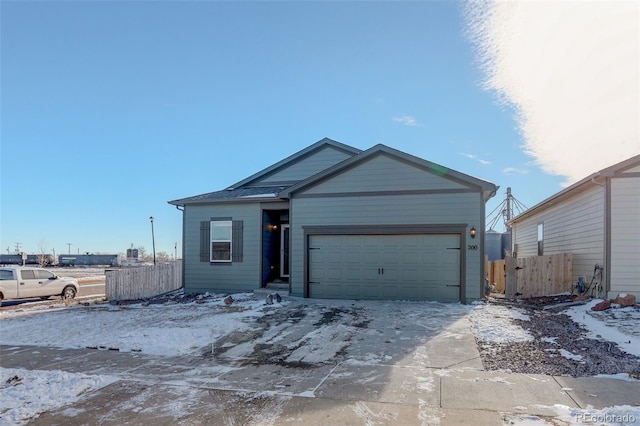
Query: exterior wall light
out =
(473, 232)
(271, 227)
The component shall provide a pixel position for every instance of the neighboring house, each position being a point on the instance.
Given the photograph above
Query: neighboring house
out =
(598, 220)
(332, 221)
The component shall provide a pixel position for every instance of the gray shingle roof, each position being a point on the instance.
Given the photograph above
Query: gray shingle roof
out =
(250, 193)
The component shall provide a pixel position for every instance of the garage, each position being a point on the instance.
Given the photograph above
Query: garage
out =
(384, 267)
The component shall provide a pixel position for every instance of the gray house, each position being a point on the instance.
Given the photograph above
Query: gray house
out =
(332, 221)
(598, 220)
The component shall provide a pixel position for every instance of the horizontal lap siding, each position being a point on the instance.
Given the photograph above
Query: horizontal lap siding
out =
(386, 210)
(625, 235)
(307, 167)
(200, 277)
(574, 226)
(384, 174)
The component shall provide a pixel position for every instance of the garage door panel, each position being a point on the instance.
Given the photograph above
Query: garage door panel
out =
(411, 267)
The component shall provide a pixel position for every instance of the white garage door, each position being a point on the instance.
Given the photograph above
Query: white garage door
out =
(403, 267)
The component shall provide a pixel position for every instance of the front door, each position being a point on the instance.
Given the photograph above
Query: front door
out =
(284, 251)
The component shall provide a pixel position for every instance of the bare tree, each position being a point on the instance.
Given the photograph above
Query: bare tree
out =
(163, 256)
(141, 252)
(42, 258)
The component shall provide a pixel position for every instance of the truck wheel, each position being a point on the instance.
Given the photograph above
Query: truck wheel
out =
(69, 292)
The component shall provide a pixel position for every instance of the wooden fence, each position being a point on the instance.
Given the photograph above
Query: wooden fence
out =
(539, 275)
(143, 282)
(497, 275)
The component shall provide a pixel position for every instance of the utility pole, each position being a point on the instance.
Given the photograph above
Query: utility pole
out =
(17, 247)
(153, 240)
(509, 206)
(175, 251)
(69, 244)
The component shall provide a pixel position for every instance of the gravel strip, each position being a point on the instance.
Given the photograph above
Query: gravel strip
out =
(560, 347)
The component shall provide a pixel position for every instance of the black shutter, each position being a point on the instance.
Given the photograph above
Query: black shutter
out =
(205, 241)
(236, 238)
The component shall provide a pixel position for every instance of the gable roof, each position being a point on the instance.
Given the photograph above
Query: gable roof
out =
(242, 190)
(581, 185)
(488, 189)
(308, 151)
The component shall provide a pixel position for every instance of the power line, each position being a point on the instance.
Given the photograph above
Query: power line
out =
(509, 208)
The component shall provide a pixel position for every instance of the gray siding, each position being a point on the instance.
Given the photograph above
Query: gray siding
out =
(306, 167)
(201, 277)
(576, 225)
(383, 173)
(387, 210)
(625, 235)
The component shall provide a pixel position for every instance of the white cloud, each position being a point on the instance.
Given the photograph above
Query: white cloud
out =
(511, 170)
(407, 120)
(475, 157)
(571, 71)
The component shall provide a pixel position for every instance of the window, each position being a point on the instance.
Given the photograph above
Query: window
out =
(28, 274)
(44, 275)
(540, 239)
(6, 275)
(221, 241)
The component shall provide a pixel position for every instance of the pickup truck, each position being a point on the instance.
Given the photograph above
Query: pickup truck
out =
(24, 282)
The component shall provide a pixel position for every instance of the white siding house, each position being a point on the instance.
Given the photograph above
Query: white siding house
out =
(597, 220)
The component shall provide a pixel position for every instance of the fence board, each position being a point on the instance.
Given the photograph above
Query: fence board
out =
(497, 275)
(143, 282)
(539, 275)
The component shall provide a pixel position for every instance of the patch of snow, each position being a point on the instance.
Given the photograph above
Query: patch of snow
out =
(152, 329)
(569, 355)
(494, 323)
(610, 325)
(618, 415)
(28, 393)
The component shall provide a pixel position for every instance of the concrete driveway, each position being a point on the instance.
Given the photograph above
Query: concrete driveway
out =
(315, 363)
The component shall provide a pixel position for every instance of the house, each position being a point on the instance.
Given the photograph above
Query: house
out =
(332, 221)
(597, 220)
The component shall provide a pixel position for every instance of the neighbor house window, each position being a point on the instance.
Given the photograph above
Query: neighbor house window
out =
(540, 239)
(221, 240)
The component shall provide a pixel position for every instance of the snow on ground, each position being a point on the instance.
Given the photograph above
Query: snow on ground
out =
(175, 329)
(494, 323)
(618, 415)
(26, 393)
(154, 329)
(617, 325)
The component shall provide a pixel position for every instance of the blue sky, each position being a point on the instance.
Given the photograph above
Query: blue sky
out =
(111, 109)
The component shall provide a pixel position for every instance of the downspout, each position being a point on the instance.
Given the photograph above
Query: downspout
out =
(183, 229)
(607, 231)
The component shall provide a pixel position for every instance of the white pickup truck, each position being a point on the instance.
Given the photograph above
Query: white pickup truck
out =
(24, 282)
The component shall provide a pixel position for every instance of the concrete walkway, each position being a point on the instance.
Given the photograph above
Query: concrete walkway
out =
(439, 382)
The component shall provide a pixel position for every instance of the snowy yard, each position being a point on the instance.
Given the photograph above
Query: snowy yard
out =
(297, 333)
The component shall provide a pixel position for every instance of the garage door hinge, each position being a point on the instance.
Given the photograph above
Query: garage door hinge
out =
(314, 282)
(314, 248)
(453, 285)
(453, 248)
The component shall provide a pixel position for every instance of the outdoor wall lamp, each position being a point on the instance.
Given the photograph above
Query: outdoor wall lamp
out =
(473, 232)
(271, 227)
